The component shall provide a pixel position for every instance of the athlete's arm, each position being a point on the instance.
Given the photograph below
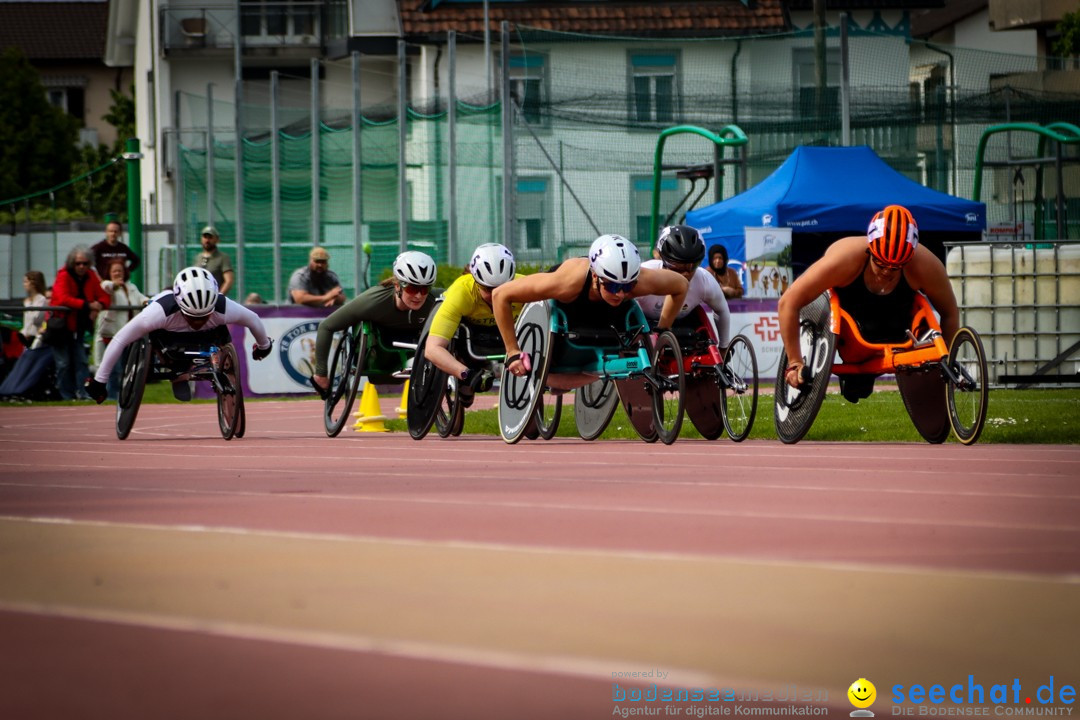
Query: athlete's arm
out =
(837, 267)
(927, 273)
(563, 284)
(152, 318)
(663, 282)
(237, 314)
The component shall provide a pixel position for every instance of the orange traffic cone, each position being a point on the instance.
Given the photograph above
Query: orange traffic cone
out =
(371, 417)
(403, 406)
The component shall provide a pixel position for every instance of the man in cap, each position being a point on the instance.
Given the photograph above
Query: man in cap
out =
(315, 284)
(216, 262)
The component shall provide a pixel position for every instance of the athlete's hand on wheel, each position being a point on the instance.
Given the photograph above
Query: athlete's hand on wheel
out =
(96, 390)
(258, 353)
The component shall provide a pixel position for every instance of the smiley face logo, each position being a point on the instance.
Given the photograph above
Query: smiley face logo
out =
(862, 693)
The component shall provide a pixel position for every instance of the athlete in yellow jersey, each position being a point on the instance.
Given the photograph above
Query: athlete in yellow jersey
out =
(468, 299)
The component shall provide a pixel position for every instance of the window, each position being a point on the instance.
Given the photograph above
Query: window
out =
(654, 87)
(641, 188)
(533, 212)
(806, 82)
(68, 99)
(529, 86)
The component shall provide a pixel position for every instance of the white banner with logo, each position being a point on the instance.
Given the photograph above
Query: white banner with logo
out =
(292, 360)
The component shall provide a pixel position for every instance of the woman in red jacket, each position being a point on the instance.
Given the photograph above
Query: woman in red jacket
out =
(78, 287)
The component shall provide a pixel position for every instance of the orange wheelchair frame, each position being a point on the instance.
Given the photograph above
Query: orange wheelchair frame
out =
(927, 370)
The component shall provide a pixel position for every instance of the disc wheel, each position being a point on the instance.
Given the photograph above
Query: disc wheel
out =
(132, 385)
(796, 408)
(346, 369)
(924, 395)
(969, 395)
(594, 405)
(739, 388)
(669, 395)
(520, 396)
(230, 399)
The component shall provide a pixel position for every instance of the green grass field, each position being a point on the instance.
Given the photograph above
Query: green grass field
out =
(1014, 416)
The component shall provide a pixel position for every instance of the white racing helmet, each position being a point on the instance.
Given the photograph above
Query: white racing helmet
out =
(415, 268)
(614, 258)
(196, 291)
(492, 264)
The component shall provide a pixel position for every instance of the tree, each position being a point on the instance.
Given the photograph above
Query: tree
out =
(106, 191)
(37, 140)
(1068, 43)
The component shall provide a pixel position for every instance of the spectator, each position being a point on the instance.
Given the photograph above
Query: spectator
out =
(725, 275)
(33, 321)
(111, 249)
(254, 299)
(121, 293)
(315, 285)
(77, 287)
(216, 262)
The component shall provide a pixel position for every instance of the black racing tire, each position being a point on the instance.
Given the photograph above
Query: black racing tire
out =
(346, 369)
(230, 399)
(132, 386)
(968, 398)
(740, 388)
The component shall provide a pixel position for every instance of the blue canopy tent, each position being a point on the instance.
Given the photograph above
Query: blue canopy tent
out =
(825, 193)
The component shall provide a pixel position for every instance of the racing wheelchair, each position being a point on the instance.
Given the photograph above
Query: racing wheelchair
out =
(647, 376)
(942, 386)
(169, 356)
(434, 397)
(721, 387)
(363, 349)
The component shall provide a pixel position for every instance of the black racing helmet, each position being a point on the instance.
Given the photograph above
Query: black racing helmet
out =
(681, 244)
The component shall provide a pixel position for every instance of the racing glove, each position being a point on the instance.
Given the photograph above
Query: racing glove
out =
(258, 353)
(96, 390)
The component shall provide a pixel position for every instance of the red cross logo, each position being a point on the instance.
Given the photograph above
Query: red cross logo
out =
(767, 328)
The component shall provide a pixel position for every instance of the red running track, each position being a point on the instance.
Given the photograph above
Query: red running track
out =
(287, 574)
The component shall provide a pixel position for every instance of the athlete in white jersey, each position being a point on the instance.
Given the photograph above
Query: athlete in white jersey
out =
(682, 249)
(192, 312)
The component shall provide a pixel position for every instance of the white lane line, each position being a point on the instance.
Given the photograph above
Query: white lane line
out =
(551, 550)
(455, 471)
(565, 665)
(697, 511)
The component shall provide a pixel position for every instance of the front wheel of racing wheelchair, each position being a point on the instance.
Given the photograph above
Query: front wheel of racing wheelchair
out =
(967, 392)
